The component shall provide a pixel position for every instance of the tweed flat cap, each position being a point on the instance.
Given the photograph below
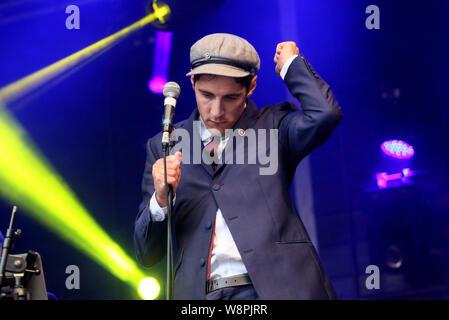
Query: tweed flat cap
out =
(223, 54)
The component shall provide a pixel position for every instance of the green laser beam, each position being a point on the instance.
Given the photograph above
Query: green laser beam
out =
(26, 178)
(21, 87)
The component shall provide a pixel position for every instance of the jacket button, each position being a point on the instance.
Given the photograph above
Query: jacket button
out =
(202, 262)
(216, 187)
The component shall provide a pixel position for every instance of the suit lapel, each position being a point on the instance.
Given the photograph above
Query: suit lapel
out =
(246, 120)
(192, 126)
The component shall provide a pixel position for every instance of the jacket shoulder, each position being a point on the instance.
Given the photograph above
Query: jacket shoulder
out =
(277, 112)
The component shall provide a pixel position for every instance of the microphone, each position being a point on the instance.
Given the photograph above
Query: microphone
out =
(171, 92)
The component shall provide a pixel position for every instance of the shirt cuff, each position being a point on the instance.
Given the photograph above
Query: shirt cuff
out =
(157, 213)
(286, 66)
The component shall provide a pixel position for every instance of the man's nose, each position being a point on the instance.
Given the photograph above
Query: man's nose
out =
(217, 109)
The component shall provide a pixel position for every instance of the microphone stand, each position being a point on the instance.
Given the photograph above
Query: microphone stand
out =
(169, 191)
(171, 92)
(8, 244)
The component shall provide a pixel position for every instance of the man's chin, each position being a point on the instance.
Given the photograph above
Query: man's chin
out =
(217, 127)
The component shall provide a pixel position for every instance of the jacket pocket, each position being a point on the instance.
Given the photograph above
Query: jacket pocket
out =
(293, 242)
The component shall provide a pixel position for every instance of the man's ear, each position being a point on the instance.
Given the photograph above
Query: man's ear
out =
(252, 86)
(193, 83)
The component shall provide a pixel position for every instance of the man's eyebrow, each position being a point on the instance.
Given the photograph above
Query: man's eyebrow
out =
(234, 94)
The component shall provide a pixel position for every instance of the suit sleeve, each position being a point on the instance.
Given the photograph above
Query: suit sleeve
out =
(149, 236)
(301, 131)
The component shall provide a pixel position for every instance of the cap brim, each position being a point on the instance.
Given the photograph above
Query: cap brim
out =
(219, 70)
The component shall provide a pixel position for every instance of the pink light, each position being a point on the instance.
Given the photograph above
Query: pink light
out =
(381, 181)
(398, 149)
(157, 84)
(395, 176)
(161, 61)
(402, 177)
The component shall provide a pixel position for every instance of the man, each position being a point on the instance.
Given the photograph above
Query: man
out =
(237, 233)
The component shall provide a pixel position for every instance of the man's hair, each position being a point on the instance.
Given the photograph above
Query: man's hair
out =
(245, 81)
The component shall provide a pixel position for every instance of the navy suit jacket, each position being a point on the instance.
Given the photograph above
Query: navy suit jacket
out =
(272, 241)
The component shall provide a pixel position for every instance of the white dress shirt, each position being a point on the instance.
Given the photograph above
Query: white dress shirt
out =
(225, 258)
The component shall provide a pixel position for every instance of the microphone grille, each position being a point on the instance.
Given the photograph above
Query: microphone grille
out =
(171, 89)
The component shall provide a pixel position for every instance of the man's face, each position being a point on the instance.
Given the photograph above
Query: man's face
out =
(220, 100)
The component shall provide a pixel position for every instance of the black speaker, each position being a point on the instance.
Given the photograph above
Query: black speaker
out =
(399, 234)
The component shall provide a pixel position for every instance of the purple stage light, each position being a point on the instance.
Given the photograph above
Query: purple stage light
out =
(381, 179)
(399, 179)
(161, 61)
(157, 84)
(398, 149)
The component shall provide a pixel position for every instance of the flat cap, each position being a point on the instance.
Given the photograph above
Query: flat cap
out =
(223, 54)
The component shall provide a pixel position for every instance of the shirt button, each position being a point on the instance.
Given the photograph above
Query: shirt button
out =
(216, 187)
(158, 217)
(202, 262)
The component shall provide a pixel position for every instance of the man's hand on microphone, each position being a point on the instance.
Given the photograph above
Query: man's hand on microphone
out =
(173, 176)
(284, 51)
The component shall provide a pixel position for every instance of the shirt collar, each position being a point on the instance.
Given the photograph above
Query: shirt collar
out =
(204, 133)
